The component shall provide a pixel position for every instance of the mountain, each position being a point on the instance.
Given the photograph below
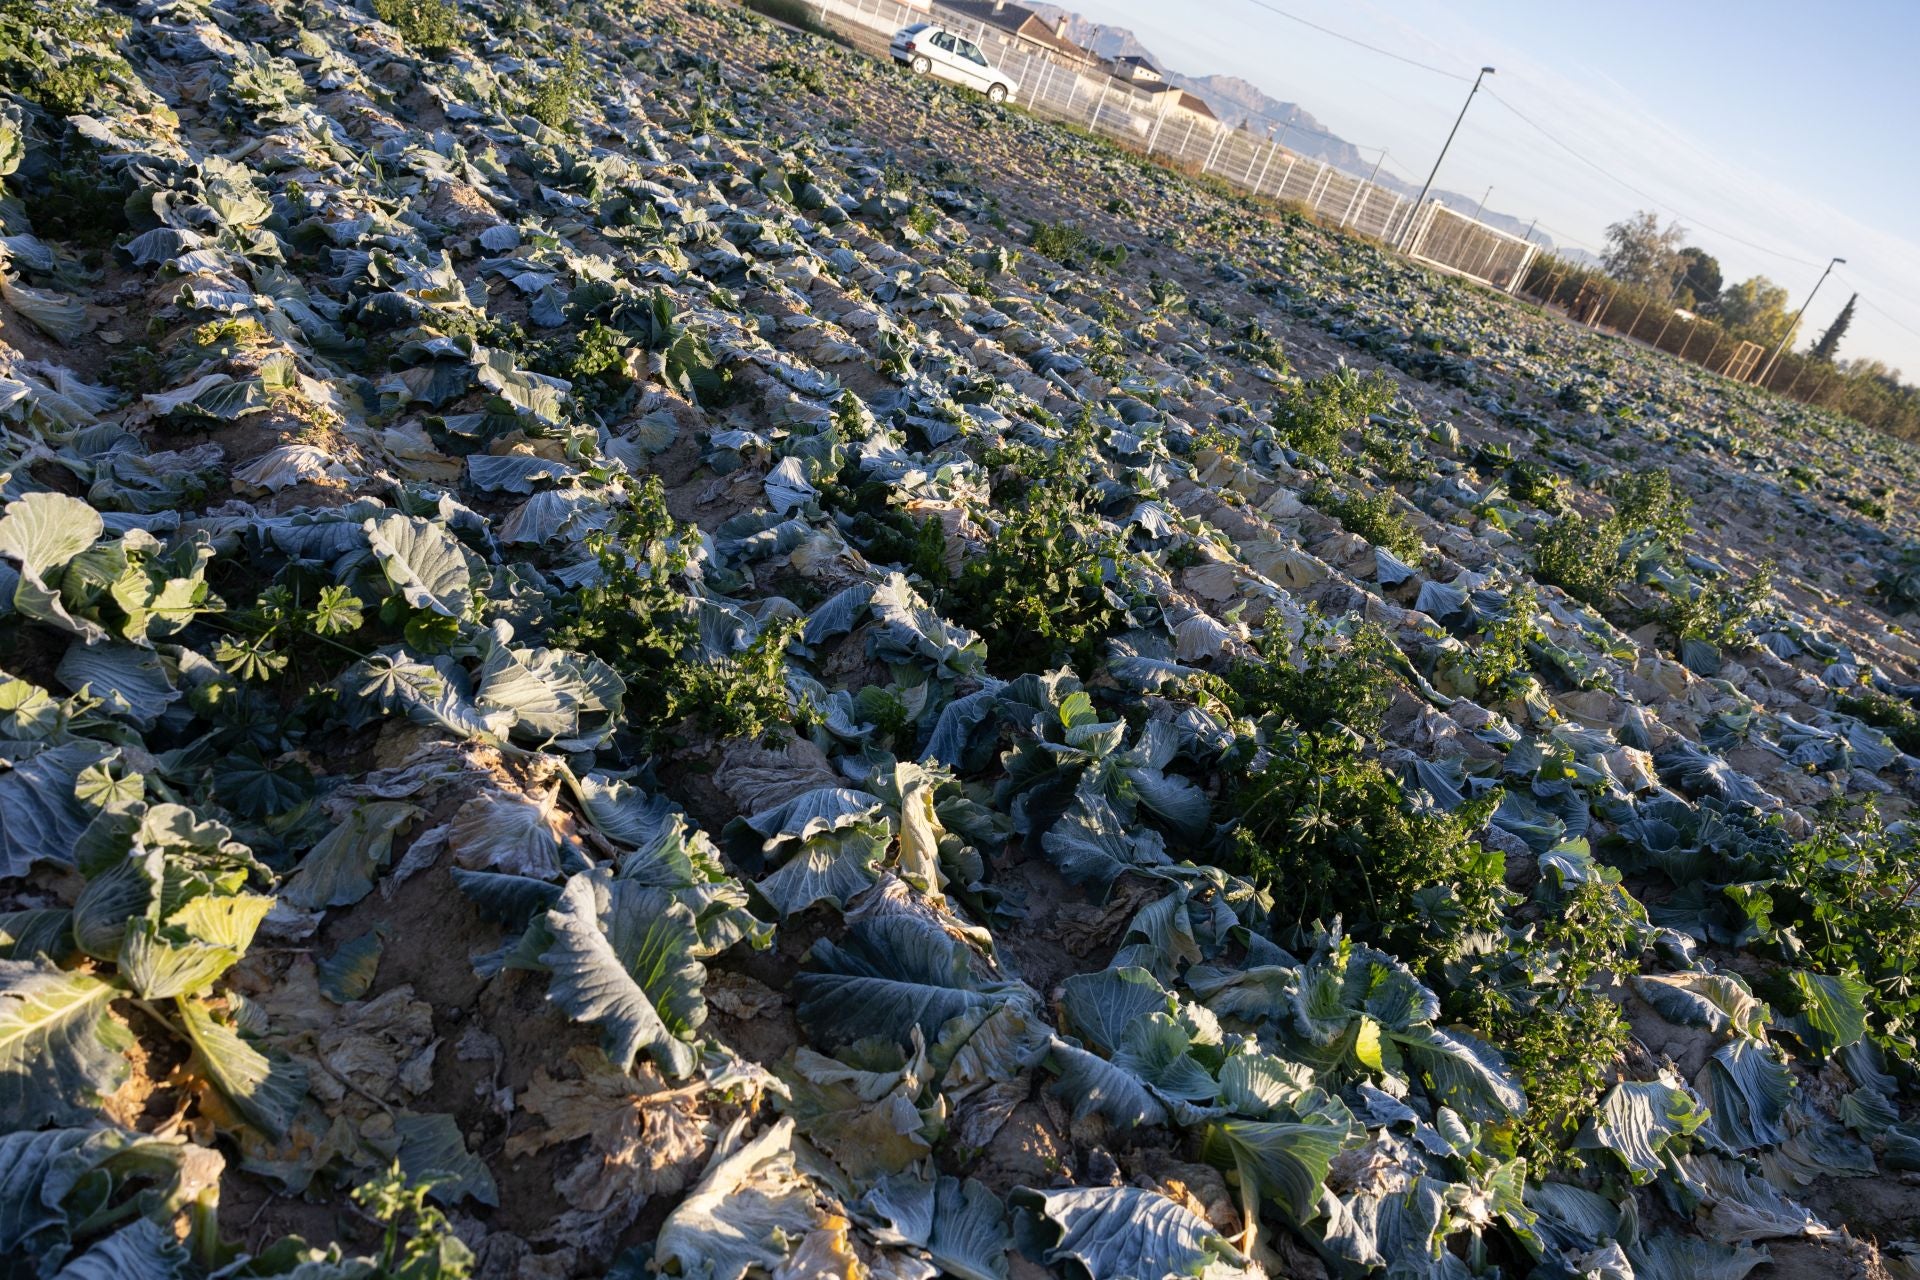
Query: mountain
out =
(1234, 100)
(1238, 101)
(1108, 42)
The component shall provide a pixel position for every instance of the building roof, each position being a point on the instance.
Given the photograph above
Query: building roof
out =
(1182, 99)
(1196, 104)
(1015, 20)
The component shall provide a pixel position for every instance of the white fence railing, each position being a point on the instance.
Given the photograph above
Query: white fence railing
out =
(1454, 242)
(1079, 91)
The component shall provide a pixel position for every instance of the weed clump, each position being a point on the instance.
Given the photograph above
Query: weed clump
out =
(1581, 557)
(430, 26)
(557, 99)
(418, 1242)
(1311, 421)
(884, 533)
(1376, 519)
(51, 51)
(1896, 715)
(1847, 905)
(1587, 558)
(1647, 502)
(1323, 821)
(636, 620)
(1345, 682)
(1331, 827)
(1044, 590)
(1501, 653)
(1073, 248)
(1721, 613)
(1050, 586)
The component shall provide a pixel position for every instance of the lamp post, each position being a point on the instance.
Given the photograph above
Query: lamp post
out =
(1793, 324)
(1288, 125)
(1484, 73)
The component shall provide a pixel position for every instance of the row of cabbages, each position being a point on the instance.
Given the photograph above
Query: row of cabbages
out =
(404, 791)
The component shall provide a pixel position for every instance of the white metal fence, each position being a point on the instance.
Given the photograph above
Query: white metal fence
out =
(1457, 243)
(1079, 91)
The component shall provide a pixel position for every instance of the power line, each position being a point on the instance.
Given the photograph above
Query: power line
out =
(1881, 311)
(1295, 127)
(1373, 48)
(1645, 195)
(1563, 238)
(1560, 237)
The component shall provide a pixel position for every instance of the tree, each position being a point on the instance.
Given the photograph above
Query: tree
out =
(1830, 340)
(1756, 310)
(1641, 252)
(1700, 276)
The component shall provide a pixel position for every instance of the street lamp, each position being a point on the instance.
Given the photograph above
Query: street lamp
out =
(1484, 73)
(1283, 128)
(1794, 324)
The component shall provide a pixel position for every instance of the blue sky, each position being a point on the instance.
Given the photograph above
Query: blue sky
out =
(1780, 133)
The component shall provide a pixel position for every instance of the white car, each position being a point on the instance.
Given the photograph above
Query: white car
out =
(934, 51)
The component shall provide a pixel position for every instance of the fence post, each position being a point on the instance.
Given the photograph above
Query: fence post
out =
(1526, 261)
(1093, 122)
(1359, 199)
(1644, 304)
(1264, 164)
(1395, 221)
(1663, 327)
(1313, 189)
(1154, 135)
(1422, 223)
(1221, 134)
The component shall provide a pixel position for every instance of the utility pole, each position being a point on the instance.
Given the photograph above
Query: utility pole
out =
(1288, 125)
(1484, 73)
(1793, 324)
(1530, 226)
(1376, 166)
(1360, 194)
(1479, 208)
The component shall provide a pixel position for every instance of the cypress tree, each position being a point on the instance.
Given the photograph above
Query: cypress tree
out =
(1830, 340)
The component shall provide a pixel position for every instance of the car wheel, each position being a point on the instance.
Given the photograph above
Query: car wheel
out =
(997, 94)
(922, 64)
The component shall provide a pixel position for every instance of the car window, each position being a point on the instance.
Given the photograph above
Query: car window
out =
(972, 53)
(943, 41)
